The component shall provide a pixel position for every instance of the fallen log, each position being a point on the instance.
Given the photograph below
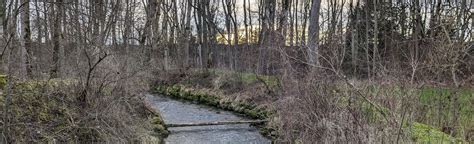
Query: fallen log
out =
(215, 123)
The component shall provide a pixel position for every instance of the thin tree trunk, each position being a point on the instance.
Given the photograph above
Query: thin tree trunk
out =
(27, 37)
(55, 70)
(375, 41)
(297, 36)
(313, 39)
(198, 23)
(236, 36)
(283, 25)
(10, 83)
(305, 22)
(226, 6)
(38, 24)
(292, 24)
(165, 35)
(367, 38)
(354, 40)
(204, 21)
(188, 34)
(3, 23)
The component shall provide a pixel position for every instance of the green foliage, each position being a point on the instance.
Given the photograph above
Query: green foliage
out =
(372, 114)
(3, 81)
(158, 126)
(436, 107)
(422, 133)
(446, 107)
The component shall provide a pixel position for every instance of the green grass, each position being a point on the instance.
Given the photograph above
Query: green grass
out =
(436, 108)
(422, 133)
(446, 106)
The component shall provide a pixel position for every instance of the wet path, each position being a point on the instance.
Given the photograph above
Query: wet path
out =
(174, 111)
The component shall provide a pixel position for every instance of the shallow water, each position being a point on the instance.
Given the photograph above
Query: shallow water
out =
(174, 111)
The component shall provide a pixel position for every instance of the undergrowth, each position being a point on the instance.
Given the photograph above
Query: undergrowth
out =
(49, 111)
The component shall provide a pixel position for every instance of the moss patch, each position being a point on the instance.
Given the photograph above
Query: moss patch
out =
(441, 112)
(422, 133)
(447, 108)
(159, 126)
(3, 81)
(49, 112)
(45, 107)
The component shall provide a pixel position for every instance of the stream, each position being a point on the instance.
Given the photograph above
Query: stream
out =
(177, 112)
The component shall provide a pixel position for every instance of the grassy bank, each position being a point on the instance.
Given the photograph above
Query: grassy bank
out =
(50, 111)
(437, 113)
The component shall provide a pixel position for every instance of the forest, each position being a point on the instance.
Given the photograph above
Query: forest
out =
(301, 71)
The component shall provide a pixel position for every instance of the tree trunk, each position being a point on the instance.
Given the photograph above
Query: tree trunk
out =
(313, 39)
(354, 39)
(47, 22)
(187, 34)
(206, 55)
(165, 35)
(55, 70)
(27, 37)
(3, 32)
(236, 36)
(375, 41)
(10, 32)
(39, 38)
(227, 6)
(2, 18)
(283, 25)
(297, 36)
(305, 22)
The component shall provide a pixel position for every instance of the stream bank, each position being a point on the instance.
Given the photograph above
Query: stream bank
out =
(175, 111)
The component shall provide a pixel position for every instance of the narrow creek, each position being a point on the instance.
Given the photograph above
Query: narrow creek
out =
(174, 111)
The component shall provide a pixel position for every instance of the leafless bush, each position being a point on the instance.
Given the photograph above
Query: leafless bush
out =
(311, 112)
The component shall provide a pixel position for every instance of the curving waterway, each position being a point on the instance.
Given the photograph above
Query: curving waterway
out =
(177, 112)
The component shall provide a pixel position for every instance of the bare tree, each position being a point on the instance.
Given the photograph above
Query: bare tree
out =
(57, 32)
(2, 17)
(313, 39)
(27, 37)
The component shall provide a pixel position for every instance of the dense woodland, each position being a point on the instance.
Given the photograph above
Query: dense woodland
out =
(321, 51)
